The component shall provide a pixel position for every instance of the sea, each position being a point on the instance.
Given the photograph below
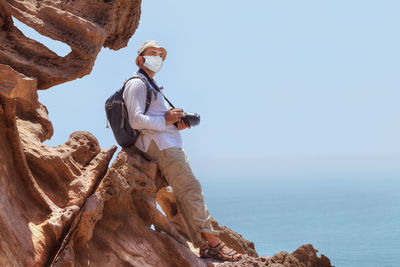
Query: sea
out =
(354, 221)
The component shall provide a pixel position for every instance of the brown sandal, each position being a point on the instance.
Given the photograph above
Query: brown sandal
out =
(217, 253)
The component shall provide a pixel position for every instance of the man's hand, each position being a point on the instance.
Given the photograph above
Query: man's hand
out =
(182, 125)
(172, 115)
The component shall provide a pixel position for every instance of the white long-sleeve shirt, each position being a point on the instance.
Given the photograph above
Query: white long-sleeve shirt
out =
(152, 124)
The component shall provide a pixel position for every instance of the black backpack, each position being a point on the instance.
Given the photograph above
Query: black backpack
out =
(117, 115)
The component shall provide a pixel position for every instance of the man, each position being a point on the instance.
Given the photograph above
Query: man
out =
(160, 140)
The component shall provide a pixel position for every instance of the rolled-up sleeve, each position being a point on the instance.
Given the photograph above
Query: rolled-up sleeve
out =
(135, 102)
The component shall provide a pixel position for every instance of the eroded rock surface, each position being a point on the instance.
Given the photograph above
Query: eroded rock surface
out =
(42, 188)
(120, 224)
(304, 256)
(62, 205)
(85, 25)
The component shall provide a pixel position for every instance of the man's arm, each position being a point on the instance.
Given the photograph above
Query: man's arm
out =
(135, 101)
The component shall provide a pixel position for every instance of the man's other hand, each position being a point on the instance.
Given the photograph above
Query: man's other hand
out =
(172, 115)
(182, 125)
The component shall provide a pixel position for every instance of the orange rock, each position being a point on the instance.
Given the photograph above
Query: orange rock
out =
(86, 26)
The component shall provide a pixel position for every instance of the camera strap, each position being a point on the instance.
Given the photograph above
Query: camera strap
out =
(154, 85)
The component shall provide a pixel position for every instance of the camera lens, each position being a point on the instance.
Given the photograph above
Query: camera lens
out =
(191, 118)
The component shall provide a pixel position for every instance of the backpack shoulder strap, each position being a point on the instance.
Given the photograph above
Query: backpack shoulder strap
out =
(148, 92)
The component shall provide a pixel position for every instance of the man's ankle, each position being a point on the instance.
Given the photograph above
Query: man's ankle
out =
(212, 240)
(214, 243)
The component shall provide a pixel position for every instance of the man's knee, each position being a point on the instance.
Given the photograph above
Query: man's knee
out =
(178, 172)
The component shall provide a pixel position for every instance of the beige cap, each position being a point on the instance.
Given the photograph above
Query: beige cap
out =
(151, 43)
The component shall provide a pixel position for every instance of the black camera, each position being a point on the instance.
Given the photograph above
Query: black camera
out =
(190, 118)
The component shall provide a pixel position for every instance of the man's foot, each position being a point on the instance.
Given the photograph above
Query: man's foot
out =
(221, 252)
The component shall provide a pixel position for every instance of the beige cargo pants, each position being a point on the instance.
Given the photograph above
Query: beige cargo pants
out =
(174, 165)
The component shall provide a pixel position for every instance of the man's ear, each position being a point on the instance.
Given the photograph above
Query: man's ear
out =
(139, 61)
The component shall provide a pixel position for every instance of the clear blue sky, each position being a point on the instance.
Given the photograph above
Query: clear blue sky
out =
(284, 88)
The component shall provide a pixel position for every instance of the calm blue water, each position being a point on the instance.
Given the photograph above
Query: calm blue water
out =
(355, 222)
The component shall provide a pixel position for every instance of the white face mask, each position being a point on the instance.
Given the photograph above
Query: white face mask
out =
(154, 63)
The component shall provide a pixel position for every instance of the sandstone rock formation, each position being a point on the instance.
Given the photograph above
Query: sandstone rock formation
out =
(304, 256)
(115, 226)
(85, 25)
(63, 206)
(42, 188)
